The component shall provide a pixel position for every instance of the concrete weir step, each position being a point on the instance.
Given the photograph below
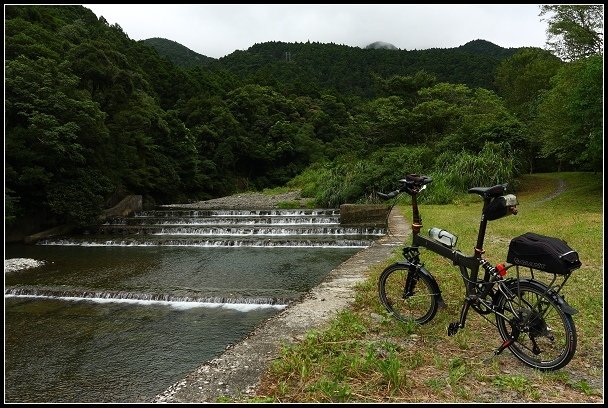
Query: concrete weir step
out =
(238, 371)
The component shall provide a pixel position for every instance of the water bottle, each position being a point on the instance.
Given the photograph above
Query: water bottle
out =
(443, 237)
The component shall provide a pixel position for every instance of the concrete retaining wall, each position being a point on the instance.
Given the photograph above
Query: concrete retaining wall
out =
(125, 207)
(364, 215)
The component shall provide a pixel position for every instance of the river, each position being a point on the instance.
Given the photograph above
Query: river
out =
(121, 323)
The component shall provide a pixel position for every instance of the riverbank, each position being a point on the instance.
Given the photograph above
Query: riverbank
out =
(237, 372)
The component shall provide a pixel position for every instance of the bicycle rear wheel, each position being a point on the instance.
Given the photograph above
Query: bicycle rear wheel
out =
(543, 336)
(407, 295)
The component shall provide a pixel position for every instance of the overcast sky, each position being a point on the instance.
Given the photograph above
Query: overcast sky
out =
(217, 30)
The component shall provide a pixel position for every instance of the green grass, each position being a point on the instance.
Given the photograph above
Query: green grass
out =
(366, 356)
(285, 205)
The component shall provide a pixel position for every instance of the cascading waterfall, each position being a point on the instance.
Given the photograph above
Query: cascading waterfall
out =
(267, 228)
(178, 301)
(315, 228)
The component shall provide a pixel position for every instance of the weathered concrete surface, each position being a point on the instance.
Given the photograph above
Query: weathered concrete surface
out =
(369, 215)
(52, 232)
(247, 201)
(238, 371)
(125, 207)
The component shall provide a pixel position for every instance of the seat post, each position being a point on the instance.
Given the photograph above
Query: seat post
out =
(482, 229)
(417, 219)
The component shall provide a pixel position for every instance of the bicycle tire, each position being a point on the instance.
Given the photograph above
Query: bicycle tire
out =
(541, 322)
(419, 306)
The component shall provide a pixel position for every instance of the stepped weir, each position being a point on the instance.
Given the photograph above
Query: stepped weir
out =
(223, 229)
(307, 228)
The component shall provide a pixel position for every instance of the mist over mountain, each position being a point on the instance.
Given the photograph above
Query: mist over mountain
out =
(381, 45)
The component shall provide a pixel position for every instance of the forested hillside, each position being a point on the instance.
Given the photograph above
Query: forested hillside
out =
(308, 68)
(345, 69)
(91, 115)
(177, 53)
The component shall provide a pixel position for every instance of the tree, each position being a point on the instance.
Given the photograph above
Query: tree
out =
(406, 87)
(53, 131)
(576, 30)
(385, 121)
(570, 115)
(521, 78)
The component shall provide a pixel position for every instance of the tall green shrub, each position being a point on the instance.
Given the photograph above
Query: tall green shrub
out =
(495, 164)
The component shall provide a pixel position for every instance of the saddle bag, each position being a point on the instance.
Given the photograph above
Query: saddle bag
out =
(543, 253)
(499, 207)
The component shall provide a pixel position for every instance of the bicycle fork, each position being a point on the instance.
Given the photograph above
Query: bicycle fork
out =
(416, 269)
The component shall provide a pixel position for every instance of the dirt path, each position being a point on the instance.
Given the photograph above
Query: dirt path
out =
(561, 187)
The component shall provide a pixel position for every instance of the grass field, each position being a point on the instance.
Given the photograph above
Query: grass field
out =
(367, 356)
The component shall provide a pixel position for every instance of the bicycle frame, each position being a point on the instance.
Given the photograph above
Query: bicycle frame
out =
(526, 310)
(465, 263)
(469, 265)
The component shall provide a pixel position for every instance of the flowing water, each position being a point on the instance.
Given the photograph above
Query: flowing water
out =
(120, 315)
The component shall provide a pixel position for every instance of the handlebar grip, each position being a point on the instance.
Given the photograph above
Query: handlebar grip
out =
(389, 195)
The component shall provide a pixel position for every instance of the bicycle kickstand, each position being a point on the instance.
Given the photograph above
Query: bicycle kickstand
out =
(454, 326)
(505, 344)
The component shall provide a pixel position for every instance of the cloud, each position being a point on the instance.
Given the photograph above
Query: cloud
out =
(218, 30)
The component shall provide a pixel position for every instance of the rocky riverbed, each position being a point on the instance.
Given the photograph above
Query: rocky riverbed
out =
(16, 264)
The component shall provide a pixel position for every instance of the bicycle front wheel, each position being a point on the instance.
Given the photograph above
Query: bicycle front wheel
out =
(540, 333)
(407, 294)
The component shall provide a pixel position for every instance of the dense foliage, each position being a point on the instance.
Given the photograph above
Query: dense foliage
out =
(91, 115)
(576, 30)
(177, 53)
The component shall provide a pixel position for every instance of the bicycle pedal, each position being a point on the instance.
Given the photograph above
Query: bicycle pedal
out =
(453, 328)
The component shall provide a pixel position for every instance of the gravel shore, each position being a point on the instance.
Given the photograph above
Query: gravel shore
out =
(250, 201)
(17, 264)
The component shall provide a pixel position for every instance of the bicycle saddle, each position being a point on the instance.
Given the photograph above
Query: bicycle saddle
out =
(490, 192)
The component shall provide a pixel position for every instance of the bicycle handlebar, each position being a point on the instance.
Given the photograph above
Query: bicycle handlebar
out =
(411, 184)
(389, 195)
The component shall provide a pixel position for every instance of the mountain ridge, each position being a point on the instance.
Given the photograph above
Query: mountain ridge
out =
(185, 57)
